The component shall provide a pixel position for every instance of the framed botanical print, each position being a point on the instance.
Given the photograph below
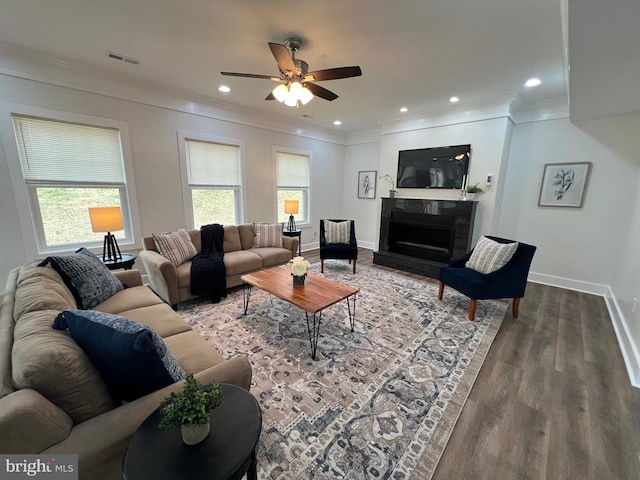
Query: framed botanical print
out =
(367, 184)
(564, 184)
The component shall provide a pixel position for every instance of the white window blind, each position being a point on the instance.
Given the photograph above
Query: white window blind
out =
(53, 151)
(212, 163)
(293, 170)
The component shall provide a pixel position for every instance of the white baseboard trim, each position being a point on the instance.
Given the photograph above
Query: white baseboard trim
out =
(569, 284)
(628, 347)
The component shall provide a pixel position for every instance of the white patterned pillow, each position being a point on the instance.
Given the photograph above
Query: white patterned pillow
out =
(337, 232)
(175, 246)
(489, 255)
(267, 235)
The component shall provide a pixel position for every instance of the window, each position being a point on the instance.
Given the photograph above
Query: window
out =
(214, 182)
(293, 184)
(68, 167)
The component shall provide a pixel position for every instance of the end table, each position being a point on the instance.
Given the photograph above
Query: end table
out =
(126, 262)
(226, 454)
(295, 233)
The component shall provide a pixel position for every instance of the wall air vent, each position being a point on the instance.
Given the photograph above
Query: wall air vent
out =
(122, 58)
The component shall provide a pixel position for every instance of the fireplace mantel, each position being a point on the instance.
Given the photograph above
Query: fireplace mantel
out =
(420, 235)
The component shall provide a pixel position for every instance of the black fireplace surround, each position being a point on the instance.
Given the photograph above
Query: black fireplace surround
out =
(421, 235)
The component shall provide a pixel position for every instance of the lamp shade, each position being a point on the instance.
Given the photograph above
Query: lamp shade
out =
(280, 92)
(106, 219)
(291, 206)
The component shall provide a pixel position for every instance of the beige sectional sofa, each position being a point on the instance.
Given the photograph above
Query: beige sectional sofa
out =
(173, 284)
(53, 400)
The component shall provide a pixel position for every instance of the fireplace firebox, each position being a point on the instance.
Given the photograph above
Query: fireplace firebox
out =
(420, 235)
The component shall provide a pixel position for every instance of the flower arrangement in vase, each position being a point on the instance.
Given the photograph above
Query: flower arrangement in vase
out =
(189, 409)
(299, 269)
(389, 178)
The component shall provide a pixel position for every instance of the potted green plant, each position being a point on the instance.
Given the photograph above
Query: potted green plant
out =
(472, 191)
(189, 409)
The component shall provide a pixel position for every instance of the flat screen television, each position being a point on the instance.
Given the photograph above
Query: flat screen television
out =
(437, 167)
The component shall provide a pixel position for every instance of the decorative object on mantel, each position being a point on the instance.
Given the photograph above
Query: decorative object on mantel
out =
(563, 184)
(389, 178)
(367, 184)
(472, 191)
(189, 409)
(299, 269)
(463, 190)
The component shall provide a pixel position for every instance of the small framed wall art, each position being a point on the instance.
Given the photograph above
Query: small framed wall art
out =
(564, 184)
(367, 184)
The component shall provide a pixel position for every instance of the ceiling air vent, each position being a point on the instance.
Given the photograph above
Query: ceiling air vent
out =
(122, 58)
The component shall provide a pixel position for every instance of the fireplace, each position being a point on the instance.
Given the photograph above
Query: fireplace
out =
(420, 235)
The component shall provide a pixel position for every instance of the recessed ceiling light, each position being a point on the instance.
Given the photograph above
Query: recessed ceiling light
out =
(404, 109)
(224, 89)
(337, 122)
(454, 99)
(532, 82)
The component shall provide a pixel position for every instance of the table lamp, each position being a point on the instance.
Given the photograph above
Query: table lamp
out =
(291, 207)
(107, 219)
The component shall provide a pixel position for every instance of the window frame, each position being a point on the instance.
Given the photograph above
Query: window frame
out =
(306, 190)
(25, 193)
(187, 198)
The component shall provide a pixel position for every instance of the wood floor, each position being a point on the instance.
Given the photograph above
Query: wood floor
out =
(552, 400)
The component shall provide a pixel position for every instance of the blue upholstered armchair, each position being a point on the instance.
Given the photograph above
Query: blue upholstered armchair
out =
(509, 281)
(339, 251)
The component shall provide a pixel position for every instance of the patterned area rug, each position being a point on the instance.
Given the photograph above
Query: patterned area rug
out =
(378, 403)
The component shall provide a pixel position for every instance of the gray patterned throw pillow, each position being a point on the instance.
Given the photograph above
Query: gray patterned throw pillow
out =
(337, 232)
(489, 255)
(89, 280)
(268, 235)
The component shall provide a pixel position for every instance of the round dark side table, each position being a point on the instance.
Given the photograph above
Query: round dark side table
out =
(126, 262)
(227, 453)
(295, 233)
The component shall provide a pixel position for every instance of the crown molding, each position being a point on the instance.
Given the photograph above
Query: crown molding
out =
(35, 66)
(449, 115)
(546, 109)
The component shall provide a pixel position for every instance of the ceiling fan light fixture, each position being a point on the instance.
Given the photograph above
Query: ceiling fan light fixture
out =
(291, 101)
(305, 96)
(281, 92)
(295, 90)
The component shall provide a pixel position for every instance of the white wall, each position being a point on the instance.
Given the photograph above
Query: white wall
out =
(362, 157)
(487, 139)
(578, 244)
(154, 149)
(593, 248)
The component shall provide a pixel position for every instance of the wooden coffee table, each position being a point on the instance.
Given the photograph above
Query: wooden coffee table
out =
(317, 294)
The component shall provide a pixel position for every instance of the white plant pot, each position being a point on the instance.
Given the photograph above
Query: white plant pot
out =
(193, 434)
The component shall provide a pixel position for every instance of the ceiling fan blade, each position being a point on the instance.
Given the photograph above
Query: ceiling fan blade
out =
(251, 75)
(321, 92)
(270, 97)
(283, 57)
(335, 73)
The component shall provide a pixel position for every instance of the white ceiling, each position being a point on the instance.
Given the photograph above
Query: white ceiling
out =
(413, 53)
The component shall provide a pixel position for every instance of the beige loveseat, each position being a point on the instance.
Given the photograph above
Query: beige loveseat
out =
(53, 400)
(173, 284)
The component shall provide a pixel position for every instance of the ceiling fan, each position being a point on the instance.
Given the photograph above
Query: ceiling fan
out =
(296, 81)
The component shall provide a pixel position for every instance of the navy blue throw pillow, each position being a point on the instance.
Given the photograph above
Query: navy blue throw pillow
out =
(89, 280)
(132, 359)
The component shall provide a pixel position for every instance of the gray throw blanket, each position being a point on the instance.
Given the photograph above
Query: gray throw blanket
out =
(208, 274)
